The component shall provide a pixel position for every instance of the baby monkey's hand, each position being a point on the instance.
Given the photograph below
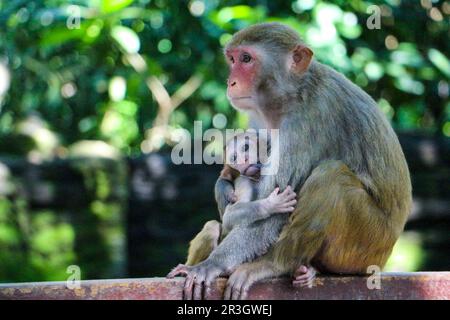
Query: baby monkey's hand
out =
(280, 202)
(231, 196)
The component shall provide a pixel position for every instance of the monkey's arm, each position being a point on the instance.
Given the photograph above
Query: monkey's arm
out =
(245, 213)
(224, 194)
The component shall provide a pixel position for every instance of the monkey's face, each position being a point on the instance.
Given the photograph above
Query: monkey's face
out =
(261, 77)
(241, 153)
(244, 62)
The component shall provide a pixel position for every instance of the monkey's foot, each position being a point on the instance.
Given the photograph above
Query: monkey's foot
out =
(239, 283)
(304, 276)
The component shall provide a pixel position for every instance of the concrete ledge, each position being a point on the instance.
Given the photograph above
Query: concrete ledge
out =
(419, 285)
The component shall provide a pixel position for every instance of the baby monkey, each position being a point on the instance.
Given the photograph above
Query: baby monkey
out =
(242, 167)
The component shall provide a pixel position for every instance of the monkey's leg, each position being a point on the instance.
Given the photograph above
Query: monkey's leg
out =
(204, 243)
(337, 226)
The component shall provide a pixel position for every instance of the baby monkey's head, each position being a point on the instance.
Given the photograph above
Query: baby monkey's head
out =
(242, 154)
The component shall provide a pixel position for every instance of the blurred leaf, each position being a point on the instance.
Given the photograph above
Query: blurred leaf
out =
(8, 235)
(407, 54)
(374, 70)
(127, 108)
(440, 61)
(126, 38)
(51, 238)
(60, 35)
(242, 12)
(326, 14)
(348, 26)
(408, 117)
(108, 6)
(409, 85)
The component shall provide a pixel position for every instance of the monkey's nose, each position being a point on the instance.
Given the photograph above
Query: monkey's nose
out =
(232, 84)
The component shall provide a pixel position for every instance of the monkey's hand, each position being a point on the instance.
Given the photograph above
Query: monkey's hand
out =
(231, 197)
(280, 202)
(199, 279)
(224, 193)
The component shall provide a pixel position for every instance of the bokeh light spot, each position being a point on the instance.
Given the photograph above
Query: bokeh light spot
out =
(164, 46)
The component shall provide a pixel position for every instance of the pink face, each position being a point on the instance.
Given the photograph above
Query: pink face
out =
(244, 64)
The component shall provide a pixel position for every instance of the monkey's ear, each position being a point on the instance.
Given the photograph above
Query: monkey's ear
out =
(301, 58)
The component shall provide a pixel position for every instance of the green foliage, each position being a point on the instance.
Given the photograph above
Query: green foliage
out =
(65, 73)
(39, 244)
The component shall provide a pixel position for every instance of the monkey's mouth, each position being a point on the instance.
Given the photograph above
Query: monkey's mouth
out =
(252, 170)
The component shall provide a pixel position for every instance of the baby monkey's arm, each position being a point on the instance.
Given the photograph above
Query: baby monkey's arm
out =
(244, 213)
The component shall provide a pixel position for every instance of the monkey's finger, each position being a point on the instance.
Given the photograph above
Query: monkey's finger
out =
(246, 280)
(198, 288)
(209, 281)
(302, 277)
(287, 192)
(230, 287)
(246, 287)
(188, 287)
(290, 203)
(172, 274)
(237, 286)
(292, 196)
(207, 289)
(175, 273)
(227, 293)
(180, 270)
(306, 282)
(285, 209)
(275, 192)
(302, 283)
(235, 293)
(288, 189)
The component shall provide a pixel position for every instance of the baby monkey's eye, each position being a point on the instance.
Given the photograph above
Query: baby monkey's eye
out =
(246, 58)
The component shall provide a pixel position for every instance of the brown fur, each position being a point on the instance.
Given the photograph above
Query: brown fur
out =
(229, 173)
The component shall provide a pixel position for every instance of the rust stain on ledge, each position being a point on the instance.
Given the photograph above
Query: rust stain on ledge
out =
(418, 285)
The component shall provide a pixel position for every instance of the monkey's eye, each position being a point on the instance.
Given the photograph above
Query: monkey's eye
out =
(246, 58)
(231, 59)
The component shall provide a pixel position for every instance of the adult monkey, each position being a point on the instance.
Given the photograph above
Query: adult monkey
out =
(336, 148)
